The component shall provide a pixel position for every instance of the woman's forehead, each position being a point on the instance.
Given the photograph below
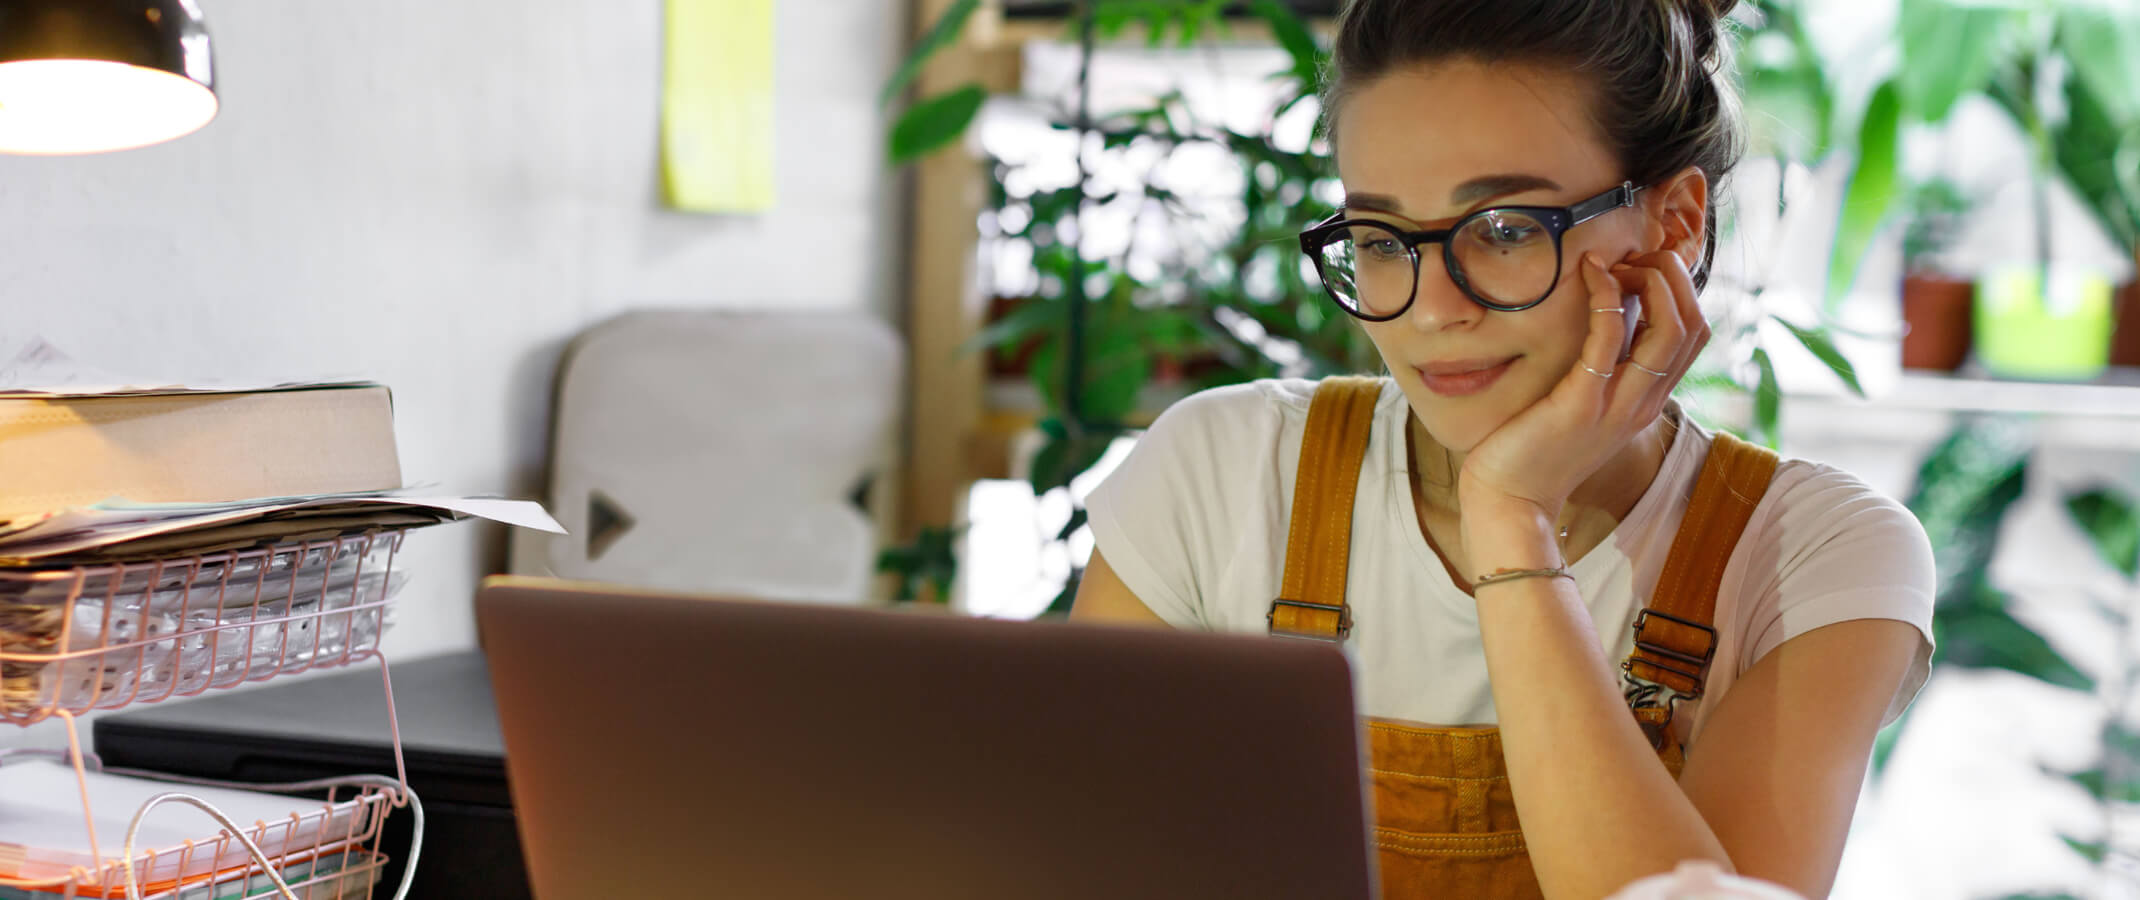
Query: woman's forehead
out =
(1439, 140)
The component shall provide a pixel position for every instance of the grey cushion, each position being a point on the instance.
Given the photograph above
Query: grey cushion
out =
(721, 452)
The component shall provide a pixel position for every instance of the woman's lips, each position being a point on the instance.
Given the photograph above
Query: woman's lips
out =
(1461, 383)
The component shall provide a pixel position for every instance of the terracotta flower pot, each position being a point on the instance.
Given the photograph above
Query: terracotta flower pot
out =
(1016, 360)
(1937, 310)
(2125, 341)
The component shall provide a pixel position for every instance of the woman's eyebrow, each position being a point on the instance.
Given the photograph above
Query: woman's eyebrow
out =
(1464, 195)
(1485, 186)
(1382, 203)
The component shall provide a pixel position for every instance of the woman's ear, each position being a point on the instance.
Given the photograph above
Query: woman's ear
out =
(1680, 215)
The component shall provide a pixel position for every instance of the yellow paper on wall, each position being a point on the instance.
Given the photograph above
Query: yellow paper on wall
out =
(717, 106)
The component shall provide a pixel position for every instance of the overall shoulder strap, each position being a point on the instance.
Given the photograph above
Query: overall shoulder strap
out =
(1311, 601)
(1675, 636)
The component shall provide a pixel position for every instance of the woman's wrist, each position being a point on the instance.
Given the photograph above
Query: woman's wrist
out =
(1506, 535)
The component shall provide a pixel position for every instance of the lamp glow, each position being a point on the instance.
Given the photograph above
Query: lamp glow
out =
(54, 106)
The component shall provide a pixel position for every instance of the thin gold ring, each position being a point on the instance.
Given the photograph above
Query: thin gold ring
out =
(1617, 309)
(1587, 368)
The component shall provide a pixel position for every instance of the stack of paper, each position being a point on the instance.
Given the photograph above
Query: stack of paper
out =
(117, 530)
(43, 834)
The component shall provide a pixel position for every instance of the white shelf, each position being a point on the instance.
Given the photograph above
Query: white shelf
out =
(2116, 395)
(2102, 415)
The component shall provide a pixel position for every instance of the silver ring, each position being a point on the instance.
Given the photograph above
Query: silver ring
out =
(1587, 368)
(1632, 362)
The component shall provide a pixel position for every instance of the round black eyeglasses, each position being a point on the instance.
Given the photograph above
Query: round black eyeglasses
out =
(1504, 258)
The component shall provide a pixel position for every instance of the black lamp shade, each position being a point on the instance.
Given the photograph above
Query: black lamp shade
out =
(89, 76)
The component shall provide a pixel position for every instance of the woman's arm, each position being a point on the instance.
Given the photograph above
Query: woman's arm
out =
(1773, 788)
(1783, 757)
(1769, 792)
(1102, 597)
(1598, 809)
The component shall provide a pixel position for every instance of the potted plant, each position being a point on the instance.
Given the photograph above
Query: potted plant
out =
(2096, 145)
(2064, 76)
(1935, 299)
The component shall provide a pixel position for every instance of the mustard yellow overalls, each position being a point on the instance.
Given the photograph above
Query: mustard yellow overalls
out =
(1445, 819)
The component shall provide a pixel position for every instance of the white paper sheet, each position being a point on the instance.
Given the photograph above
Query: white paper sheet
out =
(42, 835)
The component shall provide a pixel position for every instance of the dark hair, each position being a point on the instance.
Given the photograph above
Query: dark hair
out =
(1661, 70)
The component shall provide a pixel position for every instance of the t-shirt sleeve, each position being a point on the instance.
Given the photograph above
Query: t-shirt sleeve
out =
(1846, 552)
(1159, 517)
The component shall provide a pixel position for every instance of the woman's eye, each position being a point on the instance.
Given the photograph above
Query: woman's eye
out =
(1507, 233)
(1384, 248)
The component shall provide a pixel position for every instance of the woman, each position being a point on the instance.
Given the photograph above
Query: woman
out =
(1527, 225)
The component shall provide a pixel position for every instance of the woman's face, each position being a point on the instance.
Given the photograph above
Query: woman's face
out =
(1425, 145)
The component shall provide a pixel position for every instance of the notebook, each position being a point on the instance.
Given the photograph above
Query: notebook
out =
(74, 450)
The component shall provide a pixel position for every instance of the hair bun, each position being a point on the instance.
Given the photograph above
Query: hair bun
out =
(1705, 19)
(1714, 10)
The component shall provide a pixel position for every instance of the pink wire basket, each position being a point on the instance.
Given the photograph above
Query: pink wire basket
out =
(323, 852)
(103, 637)
(107, 636)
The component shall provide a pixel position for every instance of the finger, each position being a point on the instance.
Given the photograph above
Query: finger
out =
(1595, 368)
(1653, 361)
(1689, 302)
(1657, 346)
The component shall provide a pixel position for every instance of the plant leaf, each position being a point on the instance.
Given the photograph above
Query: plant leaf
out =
(1063, 458)
(1884, 743)
(2098, 147)
(1964, 488)
(2103, 45)
(1768, 399)
(1948, 50)
(1116, 371)
(1817, 341)
(1060, 606)
(940, 35)
(936, 121)
(1078, 518)
(1871, 191)
(1029, 318)
(2112, 524)
(2093, 851)
(1298, 41)
(1983, 638)
(1196, 16)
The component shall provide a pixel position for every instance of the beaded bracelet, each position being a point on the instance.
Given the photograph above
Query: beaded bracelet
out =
(1513, 574)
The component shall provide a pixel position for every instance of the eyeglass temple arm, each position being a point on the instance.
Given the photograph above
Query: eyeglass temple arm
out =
(1624, 195)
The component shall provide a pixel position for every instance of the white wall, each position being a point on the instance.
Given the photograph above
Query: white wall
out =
(437, 195)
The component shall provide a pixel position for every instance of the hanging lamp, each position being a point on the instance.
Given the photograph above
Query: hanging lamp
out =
(93, 76)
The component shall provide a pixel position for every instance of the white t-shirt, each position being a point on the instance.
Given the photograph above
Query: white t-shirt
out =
(1195, 522)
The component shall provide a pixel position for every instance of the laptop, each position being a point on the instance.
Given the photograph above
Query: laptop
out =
(681, 746)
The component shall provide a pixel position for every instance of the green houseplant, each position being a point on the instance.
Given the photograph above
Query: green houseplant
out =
(1965, 488)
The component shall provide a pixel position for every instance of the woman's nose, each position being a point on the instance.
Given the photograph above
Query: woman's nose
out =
(1438, 304)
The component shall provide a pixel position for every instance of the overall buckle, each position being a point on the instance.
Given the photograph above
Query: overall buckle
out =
(1649, 694)
(1697, 666)
(1344, 623)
